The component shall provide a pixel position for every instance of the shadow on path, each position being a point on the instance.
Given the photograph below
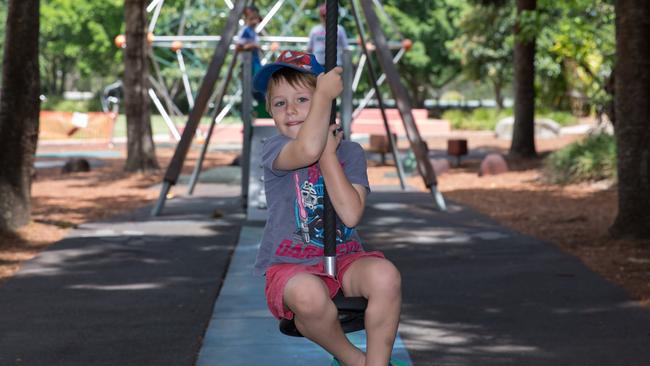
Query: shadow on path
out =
(134, 290)
(476, 293)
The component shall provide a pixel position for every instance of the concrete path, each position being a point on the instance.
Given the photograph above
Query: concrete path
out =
(242, 332)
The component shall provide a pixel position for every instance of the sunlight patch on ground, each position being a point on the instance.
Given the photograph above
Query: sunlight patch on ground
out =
(456, 338)
(125, 287)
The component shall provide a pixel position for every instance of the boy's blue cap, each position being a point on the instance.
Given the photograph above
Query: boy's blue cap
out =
(300, 61)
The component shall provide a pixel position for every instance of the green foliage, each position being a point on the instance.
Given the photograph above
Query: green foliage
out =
(485, 45)
(591, 159)
(478, 119)
(208, 17)
(486, 119)
(159, 126)
(429, 65)
(563, 118)
(56, 103)
(575, 53)
(76, 37)
(575, 43)
(575, 48)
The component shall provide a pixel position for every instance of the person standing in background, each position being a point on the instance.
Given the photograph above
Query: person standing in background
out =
(316, 43)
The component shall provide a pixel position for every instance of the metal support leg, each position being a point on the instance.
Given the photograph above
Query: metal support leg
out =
(214, 121)
(400, 93)
(392, 144)
(157, 209)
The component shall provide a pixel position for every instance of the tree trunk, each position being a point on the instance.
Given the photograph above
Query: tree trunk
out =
(632, 92)
(141, 154)
(51, 83)
(19, 109)
(498, 95)
(523, 134)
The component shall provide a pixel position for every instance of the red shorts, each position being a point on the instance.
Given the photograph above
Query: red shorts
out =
(278, 275)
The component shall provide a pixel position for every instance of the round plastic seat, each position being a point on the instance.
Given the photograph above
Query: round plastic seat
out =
(351, 315)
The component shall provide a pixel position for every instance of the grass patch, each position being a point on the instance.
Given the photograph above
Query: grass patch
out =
(57, 103)
(591, 159)
(481, 119)
(159, 126)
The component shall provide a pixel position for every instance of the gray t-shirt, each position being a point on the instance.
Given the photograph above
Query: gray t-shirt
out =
(294, 228)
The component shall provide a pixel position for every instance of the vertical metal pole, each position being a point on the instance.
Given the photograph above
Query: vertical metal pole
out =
(346, 97)
(418, 146)
(392, 144)
(329, 215)
(247, 119)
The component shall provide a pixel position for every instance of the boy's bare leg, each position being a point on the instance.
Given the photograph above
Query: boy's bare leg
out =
(379, 281)
(316, 317)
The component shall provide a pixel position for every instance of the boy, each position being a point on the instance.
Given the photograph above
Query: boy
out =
(306, 153)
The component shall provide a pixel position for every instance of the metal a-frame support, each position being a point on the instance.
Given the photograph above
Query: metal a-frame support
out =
(392, 144)
(213, 122)
(400, 94)
(200, 105)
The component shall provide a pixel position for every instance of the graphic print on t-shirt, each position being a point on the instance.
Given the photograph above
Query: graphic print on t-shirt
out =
(309, 211)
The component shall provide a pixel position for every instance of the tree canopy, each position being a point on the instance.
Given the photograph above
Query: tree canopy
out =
(453, 40)
(431, 24)
(77, 38)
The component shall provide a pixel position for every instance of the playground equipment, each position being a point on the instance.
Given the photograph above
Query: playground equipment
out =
(179, 50)
(385, 58)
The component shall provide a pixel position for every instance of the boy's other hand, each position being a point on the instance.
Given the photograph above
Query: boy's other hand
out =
(334, 138)
(330, 84)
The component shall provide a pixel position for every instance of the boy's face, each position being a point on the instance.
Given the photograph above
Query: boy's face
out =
(289, 106)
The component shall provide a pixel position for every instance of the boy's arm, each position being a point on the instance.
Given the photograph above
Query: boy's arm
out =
(308, 146)
(349, 200)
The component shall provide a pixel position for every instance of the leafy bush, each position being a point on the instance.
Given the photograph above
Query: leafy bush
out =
(487, 118)
(478, 119)
(55, 103)
(593, 158)
(561, 117)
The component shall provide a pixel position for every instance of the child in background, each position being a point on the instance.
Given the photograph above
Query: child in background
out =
(248, 40)
(307, 153)
(316, 43)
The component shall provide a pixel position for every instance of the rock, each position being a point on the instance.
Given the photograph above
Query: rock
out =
(493, 164)
(75, 165)
(544, 128)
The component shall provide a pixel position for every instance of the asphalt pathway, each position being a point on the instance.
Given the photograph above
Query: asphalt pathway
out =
(138, 290)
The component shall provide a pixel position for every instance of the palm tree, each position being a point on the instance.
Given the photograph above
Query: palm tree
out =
(19, 110)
